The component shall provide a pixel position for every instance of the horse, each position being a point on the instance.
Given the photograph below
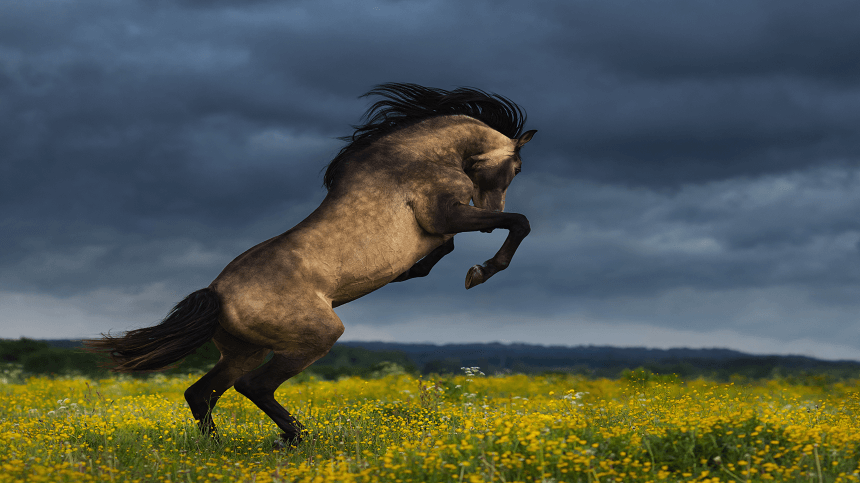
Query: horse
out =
(427, 164)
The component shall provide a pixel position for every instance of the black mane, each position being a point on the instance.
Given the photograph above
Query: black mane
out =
(407, 104)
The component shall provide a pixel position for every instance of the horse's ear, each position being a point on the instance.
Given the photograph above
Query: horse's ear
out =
(526, 137)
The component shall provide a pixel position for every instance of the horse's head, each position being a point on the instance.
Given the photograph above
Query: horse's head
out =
(492, 171)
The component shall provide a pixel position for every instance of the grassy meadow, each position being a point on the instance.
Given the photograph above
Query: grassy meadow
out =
(471, 427)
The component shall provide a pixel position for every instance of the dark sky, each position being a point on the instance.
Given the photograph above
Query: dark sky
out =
(695, 180)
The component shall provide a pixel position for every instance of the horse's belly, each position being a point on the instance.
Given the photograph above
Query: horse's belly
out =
(372, 265)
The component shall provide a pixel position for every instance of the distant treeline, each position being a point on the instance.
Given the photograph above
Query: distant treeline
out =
(67, 357)
(612, 362)
(370, 359)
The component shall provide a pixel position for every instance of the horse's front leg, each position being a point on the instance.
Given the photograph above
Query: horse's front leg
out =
(518, 230)
(422, 267)
(461, 217)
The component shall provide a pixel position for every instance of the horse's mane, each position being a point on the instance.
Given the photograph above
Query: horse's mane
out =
(407, 104)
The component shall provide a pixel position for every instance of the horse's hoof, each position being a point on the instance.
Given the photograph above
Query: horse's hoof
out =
(475, 276)
(287, 441)
(279, 444)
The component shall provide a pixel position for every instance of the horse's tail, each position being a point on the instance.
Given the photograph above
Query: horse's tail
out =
(188, 326)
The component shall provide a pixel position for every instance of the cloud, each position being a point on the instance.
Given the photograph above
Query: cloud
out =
(45, 316)
(795, 228)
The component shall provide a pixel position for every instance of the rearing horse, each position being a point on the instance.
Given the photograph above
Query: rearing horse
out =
(398, 192)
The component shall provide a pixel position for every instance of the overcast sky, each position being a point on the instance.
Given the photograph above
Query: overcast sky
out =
(695, 179)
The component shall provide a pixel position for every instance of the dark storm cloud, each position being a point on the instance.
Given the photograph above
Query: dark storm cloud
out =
(678, 91)
(715, 40)
(696, 163)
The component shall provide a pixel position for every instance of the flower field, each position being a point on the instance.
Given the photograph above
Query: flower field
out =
(465, 428)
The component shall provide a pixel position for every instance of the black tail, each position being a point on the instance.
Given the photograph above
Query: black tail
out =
(188, 326)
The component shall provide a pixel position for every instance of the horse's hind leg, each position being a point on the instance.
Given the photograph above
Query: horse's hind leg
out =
(259, 386)
(237, 358)
(300, 330)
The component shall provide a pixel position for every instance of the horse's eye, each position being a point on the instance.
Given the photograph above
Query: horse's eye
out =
(517, 170)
